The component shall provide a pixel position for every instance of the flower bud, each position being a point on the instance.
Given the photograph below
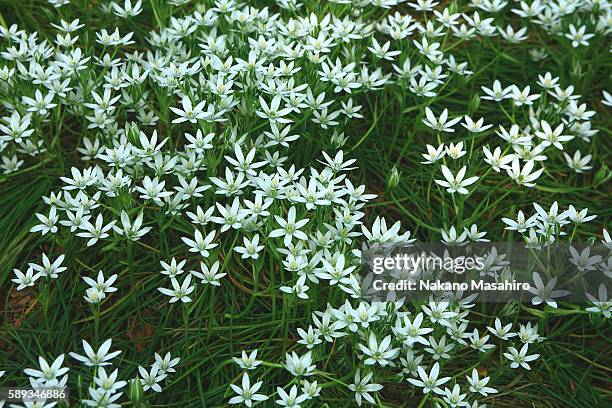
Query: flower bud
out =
(338, 139)
(136, 392)
(474, 103)
(576, 70)
(394, 178)
(602, 175)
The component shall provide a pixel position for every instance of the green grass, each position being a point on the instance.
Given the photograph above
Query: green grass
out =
(248, 311)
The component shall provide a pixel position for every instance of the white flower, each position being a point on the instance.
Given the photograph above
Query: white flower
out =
(47, 222)
(529, 9)
(273, 112)
(167, 363)
(336, 270)
(456, 184)
(244, 163)
(523, 176)
(200, 217)
(512, 36)
(325, 119)
(47, 373)
(578, 163)
(250, 249)
(453, 397)
(439, 349)
(49, 269)
(475, 127)
(479, 385)
(522, 97)
(191, 113)
(200, 143)
(607, 241)
(521, 224)
(552, 216)
(451, 237)
(128, 10)
(25, 280)
(547, 81)
(173, 268)
(299, 289)
(411, 363)
(93, 358)
(101, 284)
(362, 387)
(231, 217)
(528, 334)
(480, 343)
(94, 296)
(299, 366)
(380, 353)
(433, 154)
(290, 400)
(191, 189)
(520, 358)
(552, 137)
(231, 185)
(411, 332)
(311, 389)
(583, 260)
(606, 101)
(383, 51)
(150, 379)
(497, 93)
(79, 181)
(337, 164)
(247, 362)
(289, 228)
(545, 293)
(179, 291)
(309, 338)
(438, 313)
(133, 232)
(455, 151)
(17, 128)
(108, 383)
(440, 124)
(40, 104)
(430, 382)
(578, 36)
(602, 305)
(153, 189)
(201, 244)
(247, 394)
(495, 159)
(97, 231)
(514, 136)
(209, 275)
(503, 332)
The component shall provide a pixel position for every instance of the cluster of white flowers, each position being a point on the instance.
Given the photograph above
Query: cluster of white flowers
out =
(193, 132)
(104, 390)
